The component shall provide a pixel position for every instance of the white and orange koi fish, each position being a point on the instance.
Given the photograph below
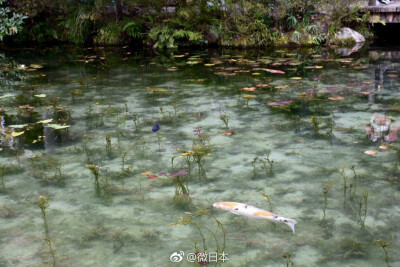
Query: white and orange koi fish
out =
(254, 212)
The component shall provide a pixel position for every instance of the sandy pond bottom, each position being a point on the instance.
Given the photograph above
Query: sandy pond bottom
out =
(294, 142)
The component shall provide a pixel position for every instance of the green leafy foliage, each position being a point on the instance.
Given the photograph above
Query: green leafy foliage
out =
(10, 22)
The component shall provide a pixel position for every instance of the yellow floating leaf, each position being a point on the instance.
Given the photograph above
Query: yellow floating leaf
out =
(249, 96)
(336, 98)
(41, 95)
(384, 147)
(17, 133)
(283, 86)
(209, 64)
(296, 78)
(45, 121)
(147, 173)
(249, 89)
(178, 56)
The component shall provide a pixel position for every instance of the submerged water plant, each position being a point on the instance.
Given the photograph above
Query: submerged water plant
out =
(196, 220)
(3, 168)
(225, 119)
(288, 259)
(384, 244)
(43, 204)
(362, 210)
(325, 193)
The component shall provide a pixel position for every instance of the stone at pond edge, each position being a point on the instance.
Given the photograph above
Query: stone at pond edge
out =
(348, 36)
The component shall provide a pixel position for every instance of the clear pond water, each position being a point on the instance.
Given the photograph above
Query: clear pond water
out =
(310, 135)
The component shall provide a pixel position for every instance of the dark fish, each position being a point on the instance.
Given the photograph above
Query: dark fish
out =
(156, 127)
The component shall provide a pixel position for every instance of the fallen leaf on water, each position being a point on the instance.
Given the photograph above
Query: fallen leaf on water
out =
(57, 126)
(178, 56)
(370, 152)
(249, 89)
(384, 147)
(296, 78)
(152, 176)
(36, 66)
(41, 95)
(201, 80)
(228, 133)
(274, 71)
(18, 126)
(45, 121)
(147, 173)
(6, 95)
(249, 96)
(283, 86)
(262, 85)
(336, 98)
(393, 75)
(17, 133)
(256, 73)
(209, 64)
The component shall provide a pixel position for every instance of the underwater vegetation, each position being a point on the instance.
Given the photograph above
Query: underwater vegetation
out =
(125, 142)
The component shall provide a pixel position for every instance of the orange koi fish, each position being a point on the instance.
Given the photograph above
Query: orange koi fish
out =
(254, 212)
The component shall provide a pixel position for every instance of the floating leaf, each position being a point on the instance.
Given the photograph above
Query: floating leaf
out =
(45, 121)
(178, 56)
(157, 90)
(296, 78)
(283, 86)
(41, 95)
(336, 98)
(371, 152)
(57, 126)
(209, 64)
(249, 89)
(6, 95)
(274, 71)
(36, 66)
(17, 133)
(147, 173)
(249, 96)
(384, 147)
(393, 75)
(18, 126)
(228, 133)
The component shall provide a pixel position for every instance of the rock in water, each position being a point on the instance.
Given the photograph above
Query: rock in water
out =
(347, 35)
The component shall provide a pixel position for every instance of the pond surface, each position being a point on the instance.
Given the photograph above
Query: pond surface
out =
(307, 134)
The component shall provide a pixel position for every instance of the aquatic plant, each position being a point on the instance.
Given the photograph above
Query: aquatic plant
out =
(288, 259)
(342, 172)
(159, 137)
(266, 197)
(197, 155)
(268, 170)
(108, 145)
(94, 169)
(362, 209)
(225, 119)
(325, 193)
(384, 244)
(199, 214)
(3, 168)
(43, 204)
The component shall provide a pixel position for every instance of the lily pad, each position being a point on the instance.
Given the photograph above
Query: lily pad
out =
(45, 121)
(17, 133)
(57, 126)
(18, 126)
(41, 95)
(6, 95)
